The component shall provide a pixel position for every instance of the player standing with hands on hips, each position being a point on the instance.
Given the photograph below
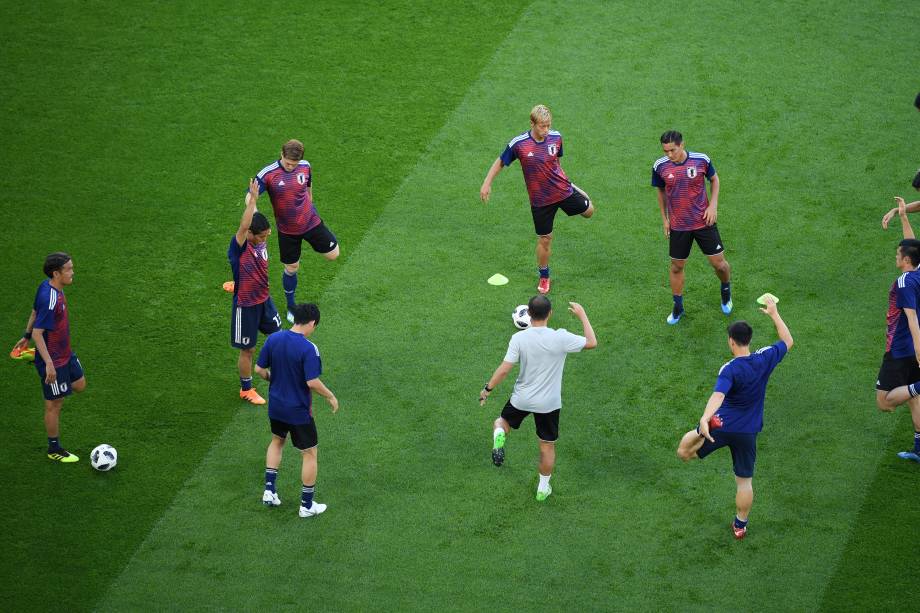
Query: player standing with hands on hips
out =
(539, 150)
(541, 352)
(734, 412)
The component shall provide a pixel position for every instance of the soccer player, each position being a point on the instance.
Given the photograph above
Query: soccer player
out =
(291, 365)
(541, 352)
(899, 376)
(289, 183)
(737, 403)
(688, 215)
(58, 367)
(909, 208)
(539, 150)
(253, 309)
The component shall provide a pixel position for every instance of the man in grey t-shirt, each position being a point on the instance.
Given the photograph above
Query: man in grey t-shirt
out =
(541, 352)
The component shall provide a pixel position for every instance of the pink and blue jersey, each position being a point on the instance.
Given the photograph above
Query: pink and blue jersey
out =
(51, 316)
(545, 180)
(289, 193)
(249, 264)
(903, 295)
(743, 380)
(684, 187)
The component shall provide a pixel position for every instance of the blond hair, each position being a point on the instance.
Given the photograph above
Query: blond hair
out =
(540, 113)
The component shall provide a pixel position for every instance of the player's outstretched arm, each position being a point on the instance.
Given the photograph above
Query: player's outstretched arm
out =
(911, 207)
(252, 199)
(494, 381)
(712, 211)
(486, 190)
(902, 213)
(781, 328)
(579, 312)
(320, 388)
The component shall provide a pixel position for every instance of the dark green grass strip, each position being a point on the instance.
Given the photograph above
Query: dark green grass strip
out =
(129, 132)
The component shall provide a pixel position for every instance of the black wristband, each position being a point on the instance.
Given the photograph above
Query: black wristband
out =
(27, 335)
(487, 388)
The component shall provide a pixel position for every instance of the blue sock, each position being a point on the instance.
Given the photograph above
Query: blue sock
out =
(917, 443)
(678, 303)
(306, 496)
(544, 272)
(740, 524)
(54, 442)
(914, 389)
(245, 383)
(726, 289)
(270, 475)
(289, 282)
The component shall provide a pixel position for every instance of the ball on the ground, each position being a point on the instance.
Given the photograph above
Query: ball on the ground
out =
(520, 317)
(103, 457)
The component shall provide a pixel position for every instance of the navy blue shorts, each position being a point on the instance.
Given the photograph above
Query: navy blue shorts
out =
(681, 242)
(66, 375)
(303, 436)
(320, 238)
(743, 446)
(247, 322)
(543, 216)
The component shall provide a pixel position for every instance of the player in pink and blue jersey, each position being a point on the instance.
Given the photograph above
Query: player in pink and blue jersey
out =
(289, 183)
(253, 309)
(549, 189)
(688, 214)
(899, 376)
(58, 367)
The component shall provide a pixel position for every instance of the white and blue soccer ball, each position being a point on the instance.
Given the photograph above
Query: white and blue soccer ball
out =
(103, 457)
(520, 317)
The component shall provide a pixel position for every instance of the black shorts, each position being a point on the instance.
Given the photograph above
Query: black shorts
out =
(681, 242)
(894, 372)
(67, 375)
(543, 216)
(246, 322)
(547, 423)
(742, 445)
(320, 238)
(303, 436)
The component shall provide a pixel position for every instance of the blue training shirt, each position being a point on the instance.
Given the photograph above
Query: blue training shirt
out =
(293, 361)
(743, 380)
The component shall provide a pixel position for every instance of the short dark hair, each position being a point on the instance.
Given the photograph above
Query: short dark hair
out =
(741, 332)
(55, 261)
(672, 136)
(305, 313)
(910, 249)
(292, 150)
(917, 102)
(916, 182)
(259, 223)
(539, 307)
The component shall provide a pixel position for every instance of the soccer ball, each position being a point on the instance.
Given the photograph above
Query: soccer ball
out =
(104, 457)
(520, 317)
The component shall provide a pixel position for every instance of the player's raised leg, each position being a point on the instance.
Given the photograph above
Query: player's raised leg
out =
(689, 444)
(272, 463)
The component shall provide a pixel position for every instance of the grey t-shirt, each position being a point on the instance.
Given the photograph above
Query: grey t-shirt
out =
(541, 353)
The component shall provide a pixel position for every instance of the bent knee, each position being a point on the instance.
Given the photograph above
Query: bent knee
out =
(79, 385)
(332, 255)
(589, 212)
(292, 268)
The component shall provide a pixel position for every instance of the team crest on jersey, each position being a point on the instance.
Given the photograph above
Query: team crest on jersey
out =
(552, 149)
(301, 178)
(691, 172)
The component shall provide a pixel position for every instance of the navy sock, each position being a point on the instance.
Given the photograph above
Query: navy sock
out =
(544, 272)
(245, 383)
(726, 289)
(306, 496)
(54, 442)
(914, 389)
(289, 282)
(740, 524)
(678, 303)
(917, 443)
(270, 475)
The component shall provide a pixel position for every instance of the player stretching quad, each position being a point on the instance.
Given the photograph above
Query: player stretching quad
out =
(539, 150)
(289, 183)
(541, 352)
(58, 366)
(687, 214)
(253, 309)
(291, 365)
(899, 376)
(738, 400)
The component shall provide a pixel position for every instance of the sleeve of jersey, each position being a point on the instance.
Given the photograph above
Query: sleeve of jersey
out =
(310, 176)
(656, 180)
(907, 296)
(261, 183)
(723, 381)
(559, 154)
(44, 316)
(779, 352)
(264, 360)
(572, 343)
(710, 170)
(513, 354)
(312, 366)
(508, 155)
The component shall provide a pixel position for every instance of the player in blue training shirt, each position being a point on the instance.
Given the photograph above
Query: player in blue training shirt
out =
(291, 365)
(899, 376)
(58, 366)
(253, 309)
(737, 404)
(549, 189)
